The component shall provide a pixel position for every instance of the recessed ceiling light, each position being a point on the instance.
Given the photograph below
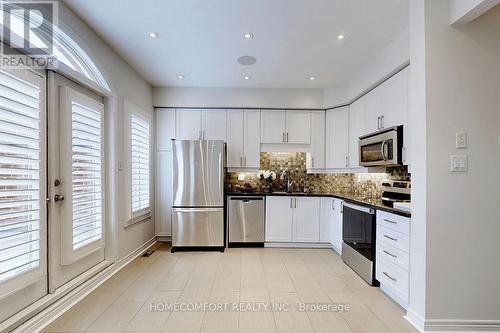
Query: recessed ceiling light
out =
(248, 35)
(340, 37)
(312, 78)
(247, 60)
(247, 77)
(180, 77)
(152, 34)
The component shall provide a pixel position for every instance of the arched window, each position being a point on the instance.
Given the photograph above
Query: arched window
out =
(64, 49)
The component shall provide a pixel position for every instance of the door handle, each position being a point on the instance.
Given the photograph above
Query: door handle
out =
(245, 160)
(291, 202)
(283, 137)
(382, 122)
(58, 198)
(333, 204)
(241, 161)
(286, 136)
(347, 161)
(390, 277)
(199, 135)
(389, 221)
(378, 122)
(390, 254)
(382, 150)
(391, 238)
(312, 162)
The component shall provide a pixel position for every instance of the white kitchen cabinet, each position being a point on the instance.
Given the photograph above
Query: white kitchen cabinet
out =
(214, 124)
(235, 138)
(373, 111)
(298, 127)
(279, 215)
(163, 197)
(243, 139)
(337, 138)
(280, 126)
(273, 126)
(326, 220)
(251, 143)
(337, 225)
(188, 124)
(357, 111)
(306, 219)
(165, 128)
(316, 157)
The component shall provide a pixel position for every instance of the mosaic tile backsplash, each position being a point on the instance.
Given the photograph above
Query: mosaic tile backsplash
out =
(364, 184)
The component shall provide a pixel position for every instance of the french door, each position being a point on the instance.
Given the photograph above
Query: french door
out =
(23, 210)
(76, 180)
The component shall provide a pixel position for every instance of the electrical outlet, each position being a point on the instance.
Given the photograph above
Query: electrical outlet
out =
(461, 140)
(241, 176)
(459, 163)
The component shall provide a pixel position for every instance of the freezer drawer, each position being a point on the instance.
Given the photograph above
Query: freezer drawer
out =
(246, 220)
(198, 227)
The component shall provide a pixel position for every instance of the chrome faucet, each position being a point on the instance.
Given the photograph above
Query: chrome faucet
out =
(289, 180)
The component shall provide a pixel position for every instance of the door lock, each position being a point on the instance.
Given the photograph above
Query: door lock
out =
(58, 197)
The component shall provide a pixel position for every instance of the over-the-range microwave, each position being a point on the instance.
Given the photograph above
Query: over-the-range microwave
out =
(382, 148)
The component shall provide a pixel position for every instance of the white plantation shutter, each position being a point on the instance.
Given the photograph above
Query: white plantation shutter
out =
(20, 176)
(87, 182)
(140, 147)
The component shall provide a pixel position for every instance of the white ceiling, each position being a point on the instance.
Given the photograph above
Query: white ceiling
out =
(202, 39)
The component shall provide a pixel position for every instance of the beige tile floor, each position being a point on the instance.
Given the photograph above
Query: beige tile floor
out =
(283, 277)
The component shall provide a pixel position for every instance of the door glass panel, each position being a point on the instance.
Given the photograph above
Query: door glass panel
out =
(20, 139)
(86, 174)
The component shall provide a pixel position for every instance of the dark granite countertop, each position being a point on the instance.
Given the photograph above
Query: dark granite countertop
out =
(349, 197)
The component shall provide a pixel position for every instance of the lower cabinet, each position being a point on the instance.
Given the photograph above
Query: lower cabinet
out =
(393, 256)
(163, 206)
(331, 222)
(292, 219)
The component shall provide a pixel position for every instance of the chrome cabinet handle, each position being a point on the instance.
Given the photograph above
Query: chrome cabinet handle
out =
(287, 137)
(283, 138)
(199, 135)
(241, 160)
(295, 203)
(391, 238)
(312, 162)
(291, 202)
(378, 122)
(245, 160)
(389, 221)
(333, 204)
(390, 277)
(382, 122)
(390, 254)
(347, 161)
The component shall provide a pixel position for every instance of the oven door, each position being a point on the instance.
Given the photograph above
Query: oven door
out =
(358, 229)
(381, 149)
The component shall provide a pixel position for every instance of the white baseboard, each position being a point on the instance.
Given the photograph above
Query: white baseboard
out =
(451, 325)
(161, 238)
(299, 245)
(54, 309)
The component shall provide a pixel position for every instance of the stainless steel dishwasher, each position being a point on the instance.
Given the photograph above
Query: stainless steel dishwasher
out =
(246, 220)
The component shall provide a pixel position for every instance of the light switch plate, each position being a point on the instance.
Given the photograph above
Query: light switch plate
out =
(461, 140)
(459, 163)
(241, 176)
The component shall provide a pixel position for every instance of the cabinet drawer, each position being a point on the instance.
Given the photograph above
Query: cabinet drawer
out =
(393, 238)
(395, 222)
(393, 255)
(394, 278)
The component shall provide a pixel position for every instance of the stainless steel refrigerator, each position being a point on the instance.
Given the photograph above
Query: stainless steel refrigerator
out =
(198, 194)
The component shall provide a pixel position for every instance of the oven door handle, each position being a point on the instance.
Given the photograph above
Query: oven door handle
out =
(363, 209)
(382, 150)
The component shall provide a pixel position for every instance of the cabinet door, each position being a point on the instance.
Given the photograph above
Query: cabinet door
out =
(273, 126)
(394, 94)
(356, 129)
(337, 138)
(252, 139)
(163, 206)
(336, 230)
(279, 219)
(235, 138)
(188, 124)
(306, 217)
(326, 220)
(317, 155)
(165, 129)
(214, 124)
(298, 127)
(374, 111)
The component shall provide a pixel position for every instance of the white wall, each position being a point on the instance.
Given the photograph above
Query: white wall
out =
(237, 97)
(392, 58)
(125, 82)
(462, 77)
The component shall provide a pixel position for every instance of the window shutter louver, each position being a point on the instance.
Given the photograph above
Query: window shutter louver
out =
(20, 190)
(140, 142)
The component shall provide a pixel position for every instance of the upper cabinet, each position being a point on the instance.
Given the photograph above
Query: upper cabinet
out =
(356, 129)
(243, 139)
(337, 138)
(188, 124)
(214, 124)
(165, 129)
(280, 126)
(387, 104)
(316, 157)
(195, 124)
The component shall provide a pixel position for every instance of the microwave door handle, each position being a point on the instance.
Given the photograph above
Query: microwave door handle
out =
(382, 150)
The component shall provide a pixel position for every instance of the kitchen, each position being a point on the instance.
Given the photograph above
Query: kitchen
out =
(284, 166)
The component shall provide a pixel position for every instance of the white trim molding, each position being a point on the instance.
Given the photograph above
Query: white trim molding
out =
(451, 325)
